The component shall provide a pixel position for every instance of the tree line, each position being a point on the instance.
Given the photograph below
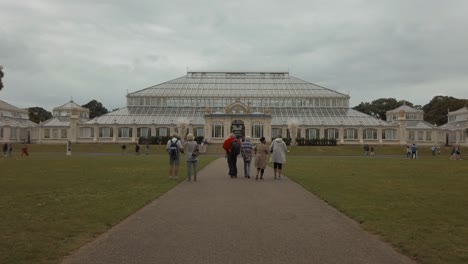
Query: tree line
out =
(435, 112)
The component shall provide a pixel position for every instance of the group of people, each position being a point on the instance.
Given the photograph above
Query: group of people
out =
(233, 146)
(369, 150)
(175, 148)
(456, 153)
(7, 150)
(137, 148)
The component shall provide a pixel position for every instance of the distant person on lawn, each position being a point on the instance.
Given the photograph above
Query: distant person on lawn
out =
(24, 150)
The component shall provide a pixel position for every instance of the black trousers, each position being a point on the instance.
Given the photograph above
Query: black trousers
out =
(232, 162)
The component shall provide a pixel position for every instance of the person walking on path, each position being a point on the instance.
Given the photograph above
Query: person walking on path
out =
(231, 154)
(191, 156)
(246, 153)
(174, 148)
(24, 150)
(278, 157)
(261, 152)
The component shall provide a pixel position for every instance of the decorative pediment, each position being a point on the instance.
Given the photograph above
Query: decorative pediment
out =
(237, 108)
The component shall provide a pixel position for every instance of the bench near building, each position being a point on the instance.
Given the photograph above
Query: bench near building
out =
(255, 104)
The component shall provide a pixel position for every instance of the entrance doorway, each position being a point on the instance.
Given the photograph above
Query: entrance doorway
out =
(238, 128)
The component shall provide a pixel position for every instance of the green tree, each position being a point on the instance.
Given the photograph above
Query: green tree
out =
(95, 108)
(435, 112)
(38, 114)
(379, 107)
(1, 77)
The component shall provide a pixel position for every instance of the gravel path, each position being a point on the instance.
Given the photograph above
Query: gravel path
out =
(223, 220)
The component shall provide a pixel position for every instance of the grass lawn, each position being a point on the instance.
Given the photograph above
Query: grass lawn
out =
(419, 206)
(51, 205)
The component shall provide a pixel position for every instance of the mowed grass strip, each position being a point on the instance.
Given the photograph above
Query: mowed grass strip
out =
(419, 206)
(50, 206)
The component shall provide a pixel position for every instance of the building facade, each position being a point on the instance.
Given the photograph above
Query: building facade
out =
(255, 104)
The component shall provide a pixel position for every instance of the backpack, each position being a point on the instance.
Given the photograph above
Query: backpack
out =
(195, 151)
(173, 149)
(235, 147)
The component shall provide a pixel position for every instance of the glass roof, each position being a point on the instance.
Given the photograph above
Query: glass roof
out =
(226, 84)
(280, 116)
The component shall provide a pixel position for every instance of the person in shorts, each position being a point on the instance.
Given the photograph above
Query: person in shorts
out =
(174, 148)
(278, 151)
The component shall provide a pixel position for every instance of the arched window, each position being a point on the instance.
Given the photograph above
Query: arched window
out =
(144, 132)
(217, 129)
(389, 134)
(369, 133)
(351, 134)
(86, 132)
(312, 133)
(331, 133)
(162, 132)
(125, 132)
(257, 130)
(106, 132)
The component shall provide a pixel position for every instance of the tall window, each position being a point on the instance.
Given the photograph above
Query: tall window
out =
(125, 132)
(1, 132)
(389, 134)
(199, 131)
(217, 130)
(351, 134)
(312, 133)
(86, 132)
(275, 132)
(106, 132)
(428, 135)
(55, 133)
(13, 133)
(144, 132)
(369, 133)
(46, 133)
(420, 135)
(411, 135)
(162, 132)
(331, 133)
(257, 130)
(63, 133)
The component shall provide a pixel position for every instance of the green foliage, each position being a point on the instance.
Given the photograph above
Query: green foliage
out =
(1, 77)
(154, 140)
(379, 107)
(199, 139)
(435, 112)
(38, 114)
(95, 108)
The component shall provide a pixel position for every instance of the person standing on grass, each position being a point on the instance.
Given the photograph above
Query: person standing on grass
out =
(246, 153)
(10, 150)
(24, 150)
(414, 151)
(174, 148)
(191, 156)
(5, 149)
(408, 152)
(137, 149)
(278, 155)
(261, 152)
(147, 150)
(124, 147)
(372, 150)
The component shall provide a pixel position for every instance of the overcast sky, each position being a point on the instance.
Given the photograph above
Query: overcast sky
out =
(53, 50)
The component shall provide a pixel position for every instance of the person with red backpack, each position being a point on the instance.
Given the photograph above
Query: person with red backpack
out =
(232, 147)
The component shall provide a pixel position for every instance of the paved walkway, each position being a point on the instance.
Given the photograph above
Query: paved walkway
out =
(223, 220)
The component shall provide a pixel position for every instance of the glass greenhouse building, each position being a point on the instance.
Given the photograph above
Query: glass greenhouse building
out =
(255, 104)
